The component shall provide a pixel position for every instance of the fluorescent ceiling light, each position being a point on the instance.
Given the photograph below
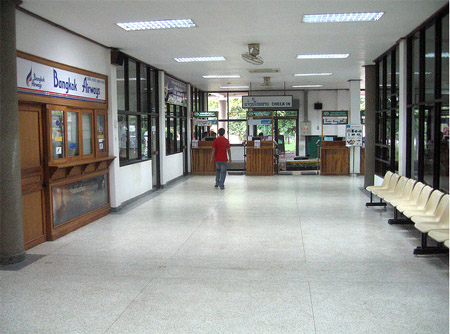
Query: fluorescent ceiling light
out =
(344, 17)
(324, 56)
(307, 86)
(222, 76)
(311, 74)
(191, 59)
(234, 87)
(152, 25)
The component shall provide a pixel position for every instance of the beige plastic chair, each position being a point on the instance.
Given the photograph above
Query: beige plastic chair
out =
(391, 186)
(405, 193)
(439, 235)
(430, 207)
(421, 202)
(427, 227)
(413, 197)
(436, 216)
(398, 190)
(383, 185)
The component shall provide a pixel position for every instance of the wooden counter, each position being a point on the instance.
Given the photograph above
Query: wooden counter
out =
(201, 159)
(334, 158)
(260, 160)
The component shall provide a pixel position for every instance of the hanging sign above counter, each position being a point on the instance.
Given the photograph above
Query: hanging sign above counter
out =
(205, 113)
(272, 102)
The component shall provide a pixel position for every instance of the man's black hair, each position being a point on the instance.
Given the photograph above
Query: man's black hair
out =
(221, 131)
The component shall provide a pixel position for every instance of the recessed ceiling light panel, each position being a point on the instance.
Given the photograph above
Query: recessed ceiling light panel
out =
(192, 59)
(324, 56)
(155, 25)
(234, 87)
(311, 74)
(222, 76)
(307, 86)
(344, 17)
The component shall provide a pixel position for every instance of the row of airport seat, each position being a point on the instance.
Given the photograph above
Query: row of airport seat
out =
(419, 204)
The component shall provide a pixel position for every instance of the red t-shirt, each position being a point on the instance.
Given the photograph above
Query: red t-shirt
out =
(221, 144)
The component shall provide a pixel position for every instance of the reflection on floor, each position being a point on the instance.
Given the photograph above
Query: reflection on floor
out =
(281, 254)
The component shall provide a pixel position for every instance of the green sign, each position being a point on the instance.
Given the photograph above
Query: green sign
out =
(205, 113)
(259, 113)
(334, 113)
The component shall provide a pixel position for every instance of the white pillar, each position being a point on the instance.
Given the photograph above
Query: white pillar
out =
(113, 139)
(189, 127)
(162, 126)
(355, 119)
(402, 110)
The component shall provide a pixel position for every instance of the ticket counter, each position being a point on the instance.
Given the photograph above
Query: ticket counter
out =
(260, 160)
(201, 159)
(334, 158)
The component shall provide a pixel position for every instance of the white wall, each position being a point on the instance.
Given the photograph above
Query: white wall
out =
(173, 167)
(41, 39)
(331, 100)
(133, 180)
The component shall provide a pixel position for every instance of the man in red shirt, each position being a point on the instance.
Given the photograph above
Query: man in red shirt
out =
(221, 146)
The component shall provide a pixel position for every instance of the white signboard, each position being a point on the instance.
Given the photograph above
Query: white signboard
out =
(259, 121)
(274, 102)
(204, 122)
(354, 135)
(39, 79)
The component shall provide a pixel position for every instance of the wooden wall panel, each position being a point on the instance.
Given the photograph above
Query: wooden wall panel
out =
(201, 161)
(259, 161)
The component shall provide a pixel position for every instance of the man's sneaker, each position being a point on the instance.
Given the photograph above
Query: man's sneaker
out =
(216, 185)
(222, 188)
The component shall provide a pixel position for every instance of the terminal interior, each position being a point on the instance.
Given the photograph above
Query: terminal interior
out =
(335, 211)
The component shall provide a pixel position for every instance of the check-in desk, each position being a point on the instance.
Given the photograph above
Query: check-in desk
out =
(334, 158)
(201, 159)
(260, 160)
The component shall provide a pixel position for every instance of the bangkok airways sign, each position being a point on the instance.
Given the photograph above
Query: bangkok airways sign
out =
(39, 79)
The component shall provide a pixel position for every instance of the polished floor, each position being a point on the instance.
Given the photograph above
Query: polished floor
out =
(281, 254)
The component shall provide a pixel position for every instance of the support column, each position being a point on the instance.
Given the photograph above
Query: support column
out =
(162, 126)
(402, 108)
(189, 128)
(355, 119)
(11, 234)
(369, 165)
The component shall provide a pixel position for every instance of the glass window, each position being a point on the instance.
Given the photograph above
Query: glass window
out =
(132, 84)
(133, 137)
(86, 121)
(153, 90)
(178, 134)
(428, 145)
(430, 56)
(72, 134)
(444, 139)
(145, 151)
(120, 83)
(123, 137)
(58, 134)
(101, 133)
(444, 60)
(415, 69)
(143, 88)
(415, 143)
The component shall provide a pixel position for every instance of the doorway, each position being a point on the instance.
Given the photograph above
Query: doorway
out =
(32, 174)
(286, 136)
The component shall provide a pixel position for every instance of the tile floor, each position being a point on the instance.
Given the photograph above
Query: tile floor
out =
(281, 254)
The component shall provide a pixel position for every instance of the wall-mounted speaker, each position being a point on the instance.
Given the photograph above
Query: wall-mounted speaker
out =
(117, 57)
(317, 106)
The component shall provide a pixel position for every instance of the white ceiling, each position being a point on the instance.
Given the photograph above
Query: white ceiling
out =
(225, 27)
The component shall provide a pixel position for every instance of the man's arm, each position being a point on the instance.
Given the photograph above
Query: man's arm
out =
(229, 154)
(213, 153)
